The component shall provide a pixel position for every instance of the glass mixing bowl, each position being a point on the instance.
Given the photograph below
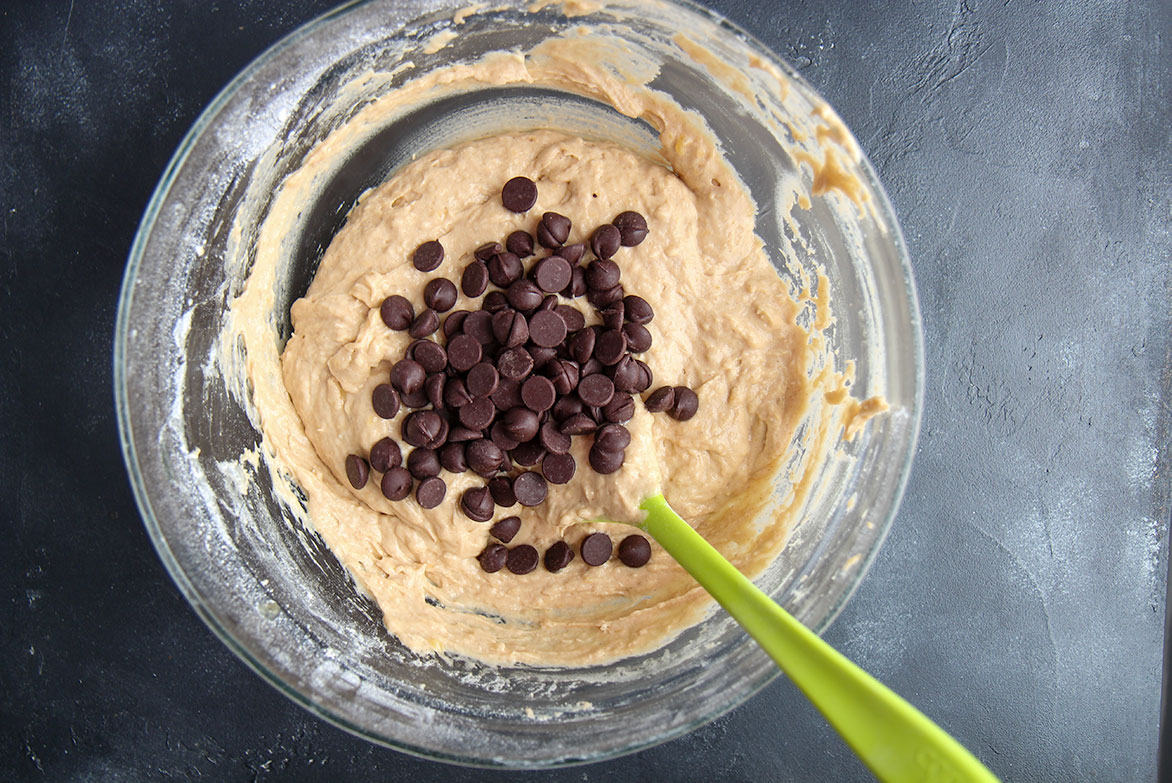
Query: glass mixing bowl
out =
(252, 568)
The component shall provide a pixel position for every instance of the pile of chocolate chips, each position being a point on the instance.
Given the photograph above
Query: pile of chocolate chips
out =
(513, 382)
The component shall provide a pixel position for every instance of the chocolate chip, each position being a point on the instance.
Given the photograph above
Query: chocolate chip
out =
(424, 324)
(520, 243)
(422, 463)
(430, 492)
(385, 455)
(596, 390)
(493, 558)
(554, 230)
(620, 409)
(494, 301)
(415, 399)
(546, 328)
(408, 376)
(505, 529)
(612, 315)
(528, 454)
(612, 437)
(577, 286)
(638, 337)
(396, 483)
(434, 388)
(397, 312)
(487, 251)
(478, 414)
(610, 346)
(521, 423)
(454, 323)
(553, 439)
(507, 395)
(564, 375)
(660, 400)
(461, 434)
(634, 551)
(431, 356)
(625, 374)
(476, 503)
(602, 274)
(499, 434)
(478, 326)
(578, 424)
(522, 559)
(484, 457)
(549, 302)
(606, 241)
(357, 471)
(475, 279)
(452, 458)
(591, 367)
(600, 298)
(596, 548)
(685, 405)
(482, 379)
(501, 488)
(558, 468)
(573, 253)
(541, 355)
(519, 194)
(581, 345)
(538, 393)
(428, 256)
(504, 269)
(572, 316)
(524, 295)
(530, 488)
(385, 401)
(645, 377)
(456, 393)
(637, 309)
(440, 294)
(605, 462)
(515, 363)
(566, 407)
(424, 429)
(558, 556)
(552, 274)
(632, 227)
(510, 327)
(464, 351)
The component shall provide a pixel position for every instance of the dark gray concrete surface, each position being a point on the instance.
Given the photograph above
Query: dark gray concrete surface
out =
(1020, 598)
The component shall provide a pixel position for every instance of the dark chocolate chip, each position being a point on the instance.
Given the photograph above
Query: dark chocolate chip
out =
(573, 253)
(645, 377)
(634, 551)
(461, 434)
(426, 429)
(638, 337)
(408, 375)
(600, 298)
(397, 312)
(428, 256)
(685, 405)
(422, 463)
(357, 471)
(415, 399)
(505, 529)
(603, 274)
(452, 457)
(440, 294)
(625, 374)
(385, 401)
(519, 194)
(612, 315)
(424, 324)
(494, 301)
(431, 491)
(475, 279)
(515, 363)
(478, 326)
(553, 439)
(454, 323)
(522, 559)
(524, 295)
(606, 241)
(456, 393)
(548, 303)
(487, 251)
(510, 327)
(546, 328)
(520, 243)
(521, 423)
(385, 455)
(507, 395)
(552, 274)
(484, 457)
(530, 488)
(528, 454)
(558, 468)
(638, 310)
(610, 346)
(577, 286)
(564, 375)
(493, 558)
(582, 345)
(478, 414)
(612, 437)
(431, 356)
(476, 503)
(499, 434)
(464, 351)
(541, 355)
(558, 556)
(554, 230)
(632, 227)
(596, 549)
(660, 400)
(501, 488)
(504, 269)
(591, 367)
(578, 424)
(620, 409)
(538, 393)
(572, 316)
(434, 388)
(605, 462)
(566, 407)
(596, 390)
(482, 380)
(396, 483)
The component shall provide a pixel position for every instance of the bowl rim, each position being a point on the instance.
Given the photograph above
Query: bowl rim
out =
(206, 613)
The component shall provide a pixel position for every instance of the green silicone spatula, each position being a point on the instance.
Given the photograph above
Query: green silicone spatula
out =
(894, 739)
